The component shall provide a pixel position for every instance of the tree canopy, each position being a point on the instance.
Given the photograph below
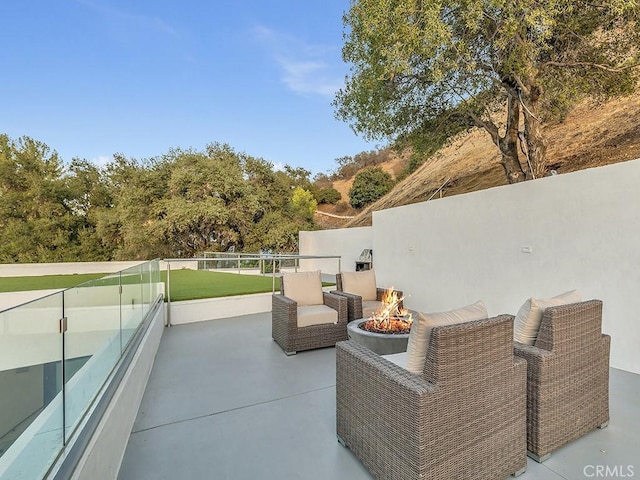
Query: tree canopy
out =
(423, 67)
(368, 186)
(36, 221)
(183, 203)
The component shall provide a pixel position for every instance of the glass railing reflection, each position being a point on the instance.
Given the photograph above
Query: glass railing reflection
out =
(31, 416)
(92, 340)
(56, 354)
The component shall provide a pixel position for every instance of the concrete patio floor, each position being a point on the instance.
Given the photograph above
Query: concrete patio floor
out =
(224, 402)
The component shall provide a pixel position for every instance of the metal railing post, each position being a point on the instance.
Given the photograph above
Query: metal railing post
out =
(168, 294)
(273, 275)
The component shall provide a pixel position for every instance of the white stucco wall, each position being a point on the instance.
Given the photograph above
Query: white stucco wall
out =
(583, 231)
(348, 243)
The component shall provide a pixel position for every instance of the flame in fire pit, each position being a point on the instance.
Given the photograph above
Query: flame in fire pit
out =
(390, 317)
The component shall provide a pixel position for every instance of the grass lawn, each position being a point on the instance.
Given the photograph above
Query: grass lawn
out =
(45, 282)
(185, 284)
(194, 284)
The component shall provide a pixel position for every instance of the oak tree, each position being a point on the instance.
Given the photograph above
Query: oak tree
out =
(420, 65)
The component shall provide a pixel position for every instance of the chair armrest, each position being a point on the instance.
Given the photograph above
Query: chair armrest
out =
(606, 340)
(354, 304)
(338, 303)
(284, 312)
(532, 354)
(378, 373)
(388, 402)
(281, 299)
(346, 295)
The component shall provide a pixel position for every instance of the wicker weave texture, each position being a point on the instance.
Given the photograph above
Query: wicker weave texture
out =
(285, 330)
(567, 376)
(463, 419)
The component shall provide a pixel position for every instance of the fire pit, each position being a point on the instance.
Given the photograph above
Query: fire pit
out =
(387, 330)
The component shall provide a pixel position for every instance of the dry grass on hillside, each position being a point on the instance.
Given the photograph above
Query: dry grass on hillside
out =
(394, 167)
(590, 136)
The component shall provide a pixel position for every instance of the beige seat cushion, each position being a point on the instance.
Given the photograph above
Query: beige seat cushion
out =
(303, 287)
(529, 317)
(420, 334)
(361, 283)
(316, 315)
(399, 359)
(369, 307)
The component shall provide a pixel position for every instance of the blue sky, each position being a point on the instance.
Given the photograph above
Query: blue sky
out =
(91, 78)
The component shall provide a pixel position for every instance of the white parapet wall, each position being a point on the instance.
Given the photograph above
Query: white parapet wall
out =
(347, 243)
(71, 268)
(190, 311)
(67, 268)
(503, 245)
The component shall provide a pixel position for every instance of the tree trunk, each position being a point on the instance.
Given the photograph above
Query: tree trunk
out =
(536, 142)
(508, 144)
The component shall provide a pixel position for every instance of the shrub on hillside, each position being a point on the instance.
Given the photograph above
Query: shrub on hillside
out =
(328, 195)
(342, 206)
(368, 186)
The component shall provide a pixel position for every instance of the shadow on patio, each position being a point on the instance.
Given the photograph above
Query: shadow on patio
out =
(224, 402)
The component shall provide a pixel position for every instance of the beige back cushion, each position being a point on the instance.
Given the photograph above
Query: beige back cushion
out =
(361, 283)
(421, 330)
(529, 317)
(303, 287)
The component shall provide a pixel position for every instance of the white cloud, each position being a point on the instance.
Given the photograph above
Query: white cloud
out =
(101, 160)
(129, 20)
(309, 77)
(306, 68)
(278, 167)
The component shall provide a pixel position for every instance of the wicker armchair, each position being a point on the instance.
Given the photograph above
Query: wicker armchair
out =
(354, 302)
(464, 417)
(292, 338)
(567, 377)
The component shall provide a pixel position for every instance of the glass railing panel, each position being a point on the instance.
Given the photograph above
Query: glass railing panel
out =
(154, 280)
(145, 277)
(39, 365)
(150, 272)
(132, 301)
(92, 344)
(156, 287)
(31, 378)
